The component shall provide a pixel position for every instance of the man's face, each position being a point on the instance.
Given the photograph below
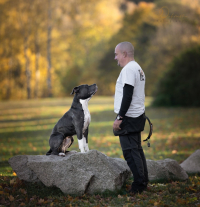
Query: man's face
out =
(119, 56)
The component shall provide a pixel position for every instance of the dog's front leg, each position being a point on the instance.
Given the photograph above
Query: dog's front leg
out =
(80, 141)
(81, 145)
(85, 137)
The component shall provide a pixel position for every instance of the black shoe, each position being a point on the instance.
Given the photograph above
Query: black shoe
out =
(135, 189)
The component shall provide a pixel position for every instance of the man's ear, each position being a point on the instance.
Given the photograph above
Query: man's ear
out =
(75, 90)
(125, 54)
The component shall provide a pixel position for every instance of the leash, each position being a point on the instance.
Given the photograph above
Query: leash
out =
(150, 131)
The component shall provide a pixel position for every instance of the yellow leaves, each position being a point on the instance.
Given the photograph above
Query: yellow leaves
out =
(151, 201)
(174, 151)
(3, 1)
(191, 188)
(145, 5)
(70, 198)
(180, 201)
(34, 149)
(156, 203)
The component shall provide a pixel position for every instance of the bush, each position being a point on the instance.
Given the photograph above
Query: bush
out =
(180, 85)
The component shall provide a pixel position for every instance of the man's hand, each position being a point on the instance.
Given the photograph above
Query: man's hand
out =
(116, 125)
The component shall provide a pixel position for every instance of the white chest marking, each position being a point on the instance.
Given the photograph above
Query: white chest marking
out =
(87, 117)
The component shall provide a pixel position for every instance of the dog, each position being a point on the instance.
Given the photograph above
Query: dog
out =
(75, 121)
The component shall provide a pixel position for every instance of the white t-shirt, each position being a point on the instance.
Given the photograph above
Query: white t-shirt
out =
(131, 74)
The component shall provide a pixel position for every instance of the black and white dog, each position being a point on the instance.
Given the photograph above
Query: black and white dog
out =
(75, 121)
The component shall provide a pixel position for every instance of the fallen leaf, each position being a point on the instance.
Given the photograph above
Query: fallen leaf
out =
(12, 182)
(32, 199)
(41, 201)
(156, 203)
(174, 151)
(23, 191)
(180, 201)
(7, 190)
(2, 201)
(11, 198)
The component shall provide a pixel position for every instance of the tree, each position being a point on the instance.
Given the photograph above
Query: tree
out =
(180, 86)
(138, 28)
(156, 40)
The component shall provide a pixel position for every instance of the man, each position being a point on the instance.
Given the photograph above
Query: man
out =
(129, 107)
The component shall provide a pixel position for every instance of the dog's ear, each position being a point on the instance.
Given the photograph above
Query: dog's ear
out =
(75, 90)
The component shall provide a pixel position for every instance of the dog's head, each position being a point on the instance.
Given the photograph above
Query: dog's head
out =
(85, 91)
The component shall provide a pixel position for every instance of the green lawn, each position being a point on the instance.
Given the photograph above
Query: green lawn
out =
(25, 127)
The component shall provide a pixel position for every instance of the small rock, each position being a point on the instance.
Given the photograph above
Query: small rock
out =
(176, 172)
(167, 169)
(156, 171)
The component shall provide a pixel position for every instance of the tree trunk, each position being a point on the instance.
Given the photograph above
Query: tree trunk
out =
(37, 71)
(49, 29)
(8, 77)
(9, 73)
(27, 70)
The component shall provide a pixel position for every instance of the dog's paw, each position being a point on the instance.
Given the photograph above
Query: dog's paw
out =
(86, 148)
(82, 150)
(61, 154)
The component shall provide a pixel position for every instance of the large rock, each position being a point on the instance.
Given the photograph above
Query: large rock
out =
(79, 173)
(192, 163)
(167, 169)
(76, 173)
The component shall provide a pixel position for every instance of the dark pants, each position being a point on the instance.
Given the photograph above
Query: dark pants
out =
(135, 158)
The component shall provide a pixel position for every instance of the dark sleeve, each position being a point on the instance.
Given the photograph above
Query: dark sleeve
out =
(126, 100)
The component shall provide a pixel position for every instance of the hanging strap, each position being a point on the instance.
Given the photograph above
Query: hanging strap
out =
(151, 129)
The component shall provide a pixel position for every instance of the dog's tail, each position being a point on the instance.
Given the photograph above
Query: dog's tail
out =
(49, 152)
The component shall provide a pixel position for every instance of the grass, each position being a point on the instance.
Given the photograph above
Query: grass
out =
(25, 127)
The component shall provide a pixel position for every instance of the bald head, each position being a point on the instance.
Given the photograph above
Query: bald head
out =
(126, 47)
(124, 53)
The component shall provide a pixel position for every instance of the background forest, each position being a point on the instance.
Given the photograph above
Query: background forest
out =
(48, 47)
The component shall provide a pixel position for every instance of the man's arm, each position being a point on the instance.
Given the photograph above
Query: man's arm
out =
(126, 101)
